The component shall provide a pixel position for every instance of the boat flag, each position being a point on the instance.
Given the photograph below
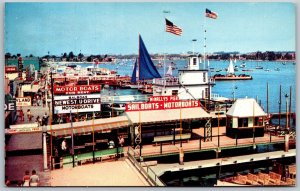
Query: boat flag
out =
(171, 28)
(210, 14)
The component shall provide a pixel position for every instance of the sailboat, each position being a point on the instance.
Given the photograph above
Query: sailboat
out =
(144, 68)
(259, 67)
(230, 74)
(169, 72)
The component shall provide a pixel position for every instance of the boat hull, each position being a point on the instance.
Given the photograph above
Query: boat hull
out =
(233, 78)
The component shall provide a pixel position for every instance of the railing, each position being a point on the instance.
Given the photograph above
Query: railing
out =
(167, 81)
(124, 98)
(143, 168)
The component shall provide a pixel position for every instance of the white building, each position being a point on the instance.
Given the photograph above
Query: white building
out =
(192, 83)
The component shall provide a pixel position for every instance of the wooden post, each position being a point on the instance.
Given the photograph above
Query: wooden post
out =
(287, 135)
(160, 147)
(174, 132)
(290, 107)
(181, 156)
(279, 117)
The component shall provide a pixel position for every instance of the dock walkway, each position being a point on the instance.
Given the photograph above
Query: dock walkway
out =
(160, 169)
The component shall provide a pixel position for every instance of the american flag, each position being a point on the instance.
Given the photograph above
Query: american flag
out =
(210, 14)
(171, 28)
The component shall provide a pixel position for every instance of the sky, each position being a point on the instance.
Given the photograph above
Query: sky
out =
(113, 28)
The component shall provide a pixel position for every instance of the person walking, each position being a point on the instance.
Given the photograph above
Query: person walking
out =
(34, 179)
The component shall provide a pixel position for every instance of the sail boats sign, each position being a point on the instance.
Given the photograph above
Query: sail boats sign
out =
(162, 103)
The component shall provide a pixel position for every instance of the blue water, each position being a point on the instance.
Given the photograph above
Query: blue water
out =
(255, 88)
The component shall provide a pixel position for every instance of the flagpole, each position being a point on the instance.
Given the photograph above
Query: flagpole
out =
(204, 56)
(165, 12)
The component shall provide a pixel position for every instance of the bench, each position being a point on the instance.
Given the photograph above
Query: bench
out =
(102, 141)
(168, 138)
(88, 157)
(99, 155)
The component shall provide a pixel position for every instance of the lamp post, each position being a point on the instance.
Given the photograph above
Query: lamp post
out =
(45, 156)
(233, 92)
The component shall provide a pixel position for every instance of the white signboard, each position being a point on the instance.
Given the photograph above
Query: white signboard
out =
(23, 101)
(77, 103)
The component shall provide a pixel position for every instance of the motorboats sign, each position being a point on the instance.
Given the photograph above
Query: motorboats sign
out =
(162, 105)
(23, 101)
(75, 90)
(77, 103)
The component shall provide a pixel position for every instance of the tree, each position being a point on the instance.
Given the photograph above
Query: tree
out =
(7, 55)
(71, 55)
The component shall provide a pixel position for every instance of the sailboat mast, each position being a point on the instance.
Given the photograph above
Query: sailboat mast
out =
(138, 64)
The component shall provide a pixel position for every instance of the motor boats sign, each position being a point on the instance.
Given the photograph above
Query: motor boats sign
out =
(74, 90)
(23, 101)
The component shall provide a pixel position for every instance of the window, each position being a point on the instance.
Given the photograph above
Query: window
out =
(174, 92)
(243, 122)
(194, 61)
(204, 77)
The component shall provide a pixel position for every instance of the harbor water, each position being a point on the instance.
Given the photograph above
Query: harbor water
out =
(273, 73)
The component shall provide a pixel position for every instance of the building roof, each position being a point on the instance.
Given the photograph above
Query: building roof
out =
(100, 125)
(246, 107)
(154, 116)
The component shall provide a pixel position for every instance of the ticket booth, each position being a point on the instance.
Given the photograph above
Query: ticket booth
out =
(244, 118)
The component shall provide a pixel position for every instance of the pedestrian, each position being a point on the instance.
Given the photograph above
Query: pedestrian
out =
(29, 116)
(286, 173)
(45, 119)
(26, 178)
(7, 181)
(37, 100)
(37, 120)
(34, 179)
(121, 140)
(64, 146)
(44, 102)
(21, 114)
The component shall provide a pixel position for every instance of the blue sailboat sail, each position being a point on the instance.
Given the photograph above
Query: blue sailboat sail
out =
(133, 76)
(146, 68)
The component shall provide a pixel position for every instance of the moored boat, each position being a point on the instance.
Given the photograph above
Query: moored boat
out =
(230, 75)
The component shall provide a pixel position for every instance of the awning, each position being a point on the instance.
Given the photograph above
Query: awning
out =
(29, 88)
(84, 127)
(167, 115)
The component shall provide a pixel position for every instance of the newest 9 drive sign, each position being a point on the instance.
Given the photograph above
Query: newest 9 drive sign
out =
(77, 103)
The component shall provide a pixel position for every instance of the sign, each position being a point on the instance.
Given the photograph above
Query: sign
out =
(77, 103)
(23, 128)
(10, 69)
(79, 89)
(163, 98)
(23, 101)
(162, 105)
(10, 105)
